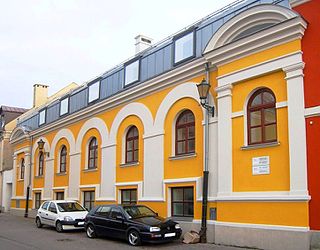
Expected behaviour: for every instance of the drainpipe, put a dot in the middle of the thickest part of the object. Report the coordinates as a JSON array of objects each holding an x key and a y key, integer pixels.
[
  {"x": 29, "y": 181},
  {"x": 203, "y": 231}
]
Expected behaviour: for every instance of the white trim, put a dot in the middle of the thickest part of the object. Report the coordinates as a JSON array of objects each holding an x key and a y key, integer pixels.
[
  {"x": 259, "y": 69},
  {"x": 311, "y": 112},
  {"x": 295, "y": 3},
  {"x": 262, "y": 226},
  {"x": 251, "y": 17},
  {"x": 22, "y": 150},
  {"x": 132, "y": 183},
  {"x": 260, "y": 198},
  {"x": 38, "y": 189},
  {"x": 237, "y": 114},
  {"x": 280, "y": 105},
  {"x": 19, "y": 198},
  {"x": 181, "y": 180},
  {"x": 60, "y": 188}
]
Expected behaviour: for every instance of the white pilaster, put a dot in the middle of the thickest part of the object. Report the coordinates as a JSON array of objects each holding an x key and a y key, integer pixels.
[
  {"x": 153, "y": 167},
  {"x": 74, "y": 176},
  {"x": 297, "y": 130},
  {"x": 224, "y": 139},
  {"x": 48, "y": 179},
  {"x": 108, "y": 173},
  {"x": 14, "y": 176},
  {"x": 27, "y": 179}
]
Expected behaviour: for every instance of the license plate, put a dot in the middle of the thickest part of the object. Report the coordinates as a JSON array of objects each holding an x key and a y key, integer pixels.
[
  {"x": 81, "y": 223},
  {"x": 170, "y": 235}
]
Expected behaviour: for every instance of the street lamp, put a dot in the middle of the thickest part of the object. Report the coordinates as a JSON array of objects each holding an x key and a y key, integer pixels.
[
  {"x": 41, "y": 147},
  {"x": 203, "y": 89}
]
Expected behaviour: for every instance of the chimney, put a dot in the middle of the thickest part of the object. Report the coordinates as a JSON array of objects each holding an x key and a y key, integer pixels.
[
  {"x": 142, "y": 43},
  {"x": 40, "y": 94}
]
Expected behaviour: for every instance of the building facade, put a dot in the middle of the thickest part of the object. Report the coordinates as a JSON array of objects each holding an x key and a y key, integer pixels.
[
  {"x": 7, "y": 124},
  {"x": 136, "y": 133},
  {"x": 311, "y": 51}
]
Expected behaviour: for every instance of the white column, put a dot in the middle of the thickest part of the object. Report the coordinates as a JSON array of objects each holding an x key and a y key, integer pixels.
[
  {"x": 153, "y": 167},
  {"x": 224, "y": 139},
  {"x": 27, "y": 179},
  {"x": 74, "y": 176},
  {"x": 14, "y": 176},
  {"x": 297, "y": 129},
  {"x": 108, "y": 173},
  {"x": 48, "y": 179},
  {"x": 213, "y": 159}
]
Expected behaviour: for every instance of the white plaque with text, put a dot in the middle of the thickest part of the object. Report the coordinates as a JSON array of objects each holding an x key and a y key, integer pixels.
[{"x": 260, "y": 165}]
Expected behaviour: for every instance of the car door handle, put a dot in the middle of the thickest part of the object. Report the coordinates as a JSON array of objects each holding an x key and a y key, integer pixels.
[
  {"x": 39, "y": 212},
  {"x": 46, "y": 214}
]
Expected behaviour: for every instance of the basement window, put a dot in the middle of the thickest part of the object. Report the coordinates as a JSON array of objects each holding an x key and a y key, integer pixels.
[
  {"x": 184, "y": 48},
  {"x": 132, "y": 72},
  {"x": 94, "y": 91}
]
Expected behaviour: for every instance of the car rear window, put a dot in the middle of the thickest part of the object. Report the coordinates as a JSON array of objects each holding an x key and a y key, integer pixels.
[
  {"x": 103, "y": 211},
  {"x": 70, "y": 207}
]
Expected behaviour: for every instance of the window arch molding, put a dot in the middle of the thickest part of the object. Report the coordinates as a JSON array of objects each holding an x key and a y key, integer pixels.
[{"x": 260, "y": 113}]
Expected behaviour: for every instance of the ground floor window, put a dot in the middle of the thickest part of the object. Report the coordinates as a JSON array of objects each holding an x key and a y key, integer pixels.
[
  {"x": 88, "y": 199},
  {"x": 182, "y": 202},
  {"x": 129, "y": 196},
  {"x": 37, "y": 200},
  {"x": 59, "y": 195}
]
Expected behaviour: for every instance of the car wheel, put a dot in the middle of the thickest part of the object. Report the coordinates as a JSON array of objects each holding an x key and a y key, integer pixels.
[
  {"x": 59, "y": 227},
  {"x": 38, "y": 222},
  {"x": 91, "y": 233},
  {"x": 134, "y": 238}
]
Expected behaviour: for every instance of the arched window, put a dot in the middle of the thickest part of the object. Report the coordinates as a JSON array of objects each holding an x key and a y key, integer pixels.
[
  {"x": 132, "y": 145},
  {"x": 22, "y": 168},
  {"x": 41, "y": 164},
  {"x": 63, "y": 159},
  {"x": 185, "y": 133},
  {"x": 93, "y": 153},
  {"x": 262, "y": 118}
]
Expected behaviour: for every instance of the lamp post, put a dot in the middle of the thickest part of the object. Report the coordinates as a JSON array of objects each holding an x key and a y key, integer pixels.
[{"x": 203, "y": 89}]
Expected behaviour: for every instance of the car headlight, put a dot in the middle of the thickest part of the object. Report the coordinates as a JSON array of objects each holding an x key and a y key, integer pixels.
[
  {"x": 154, "y": 229},
  {"x": 67, "y": 218},
  {"x": 177, "y": 226}
]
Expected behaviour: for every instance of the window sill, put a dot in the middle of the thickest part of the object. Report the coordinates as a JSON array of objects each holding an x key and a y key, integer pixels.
[
  {"x": 90, "y": 170},
  {"x": 262, "y": 145},
  {"x": 61, "y": 174},
  {"x": 187, "y": 219},
  {"x": 181, "y": 157},
  {"x": 39, "y": 177},
  {"x": 20, "y": 180},
  {"x": 130, "y": 164}
]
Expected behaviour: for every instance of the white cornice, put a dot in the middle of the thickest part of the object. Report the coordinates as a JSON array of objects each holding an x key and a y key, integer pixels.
[{"x": 281, "y": 33}]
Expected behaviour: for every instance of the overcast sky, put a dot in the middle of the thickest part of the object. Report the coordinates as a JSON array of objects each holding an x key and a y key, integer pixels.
[{"x": 56, "y": 42}]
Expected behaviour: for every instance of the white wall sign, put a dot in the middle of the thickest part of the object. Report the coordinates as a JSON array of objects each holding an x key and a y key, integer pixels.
[{"x": 260, "y": 165}]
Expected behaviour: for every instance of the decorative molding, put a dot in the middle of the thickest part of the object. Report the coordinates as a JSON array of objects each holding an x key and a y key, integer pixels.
[
  {"x": 311, "y": 112},
  {"x": 283, "y": 32},
  {"x": 280, "y": 105},
  {"x": 237, "y": 114},
  {"x": 295, "y": 3}
]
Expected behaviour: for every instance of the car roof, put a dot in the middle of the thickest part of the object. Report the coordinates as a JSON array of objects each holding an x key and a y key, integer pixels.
[{"x": 59, "y": 201}]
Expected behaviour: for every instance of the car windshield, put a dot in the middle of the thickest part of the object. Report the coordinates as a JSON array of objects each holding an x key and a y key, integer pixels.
[
  {"x": 69, "y": 207},
  {"x": 139, "y": 211}
]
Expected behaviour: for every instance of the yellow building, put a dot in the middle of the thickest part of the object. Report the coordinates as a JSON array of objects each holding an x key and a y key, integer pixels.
[{"x": 136, "y": 133}]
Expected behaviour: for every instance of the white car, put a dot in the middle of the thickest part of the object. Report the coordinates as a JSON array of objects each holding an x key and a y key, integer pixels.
[{"x": 61, "y": 214}]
